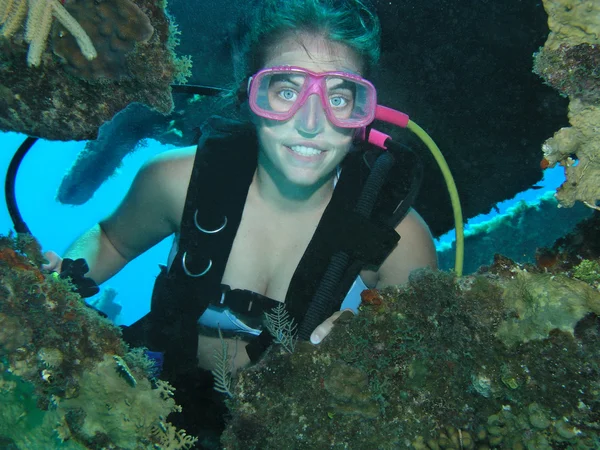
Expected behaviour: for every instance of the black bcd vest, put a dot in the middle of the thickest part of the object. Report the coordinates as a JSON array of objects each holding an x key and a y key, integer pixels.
[{"x": 224, "y": 165}]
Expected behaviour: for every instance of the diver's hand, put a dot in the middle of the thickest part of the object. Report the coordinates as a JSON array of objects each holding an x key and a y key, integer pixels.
[
  {"x": 74, "y": 270},
  {"x": 54, "y": 262},
  {"x": 325, "y": 328}
]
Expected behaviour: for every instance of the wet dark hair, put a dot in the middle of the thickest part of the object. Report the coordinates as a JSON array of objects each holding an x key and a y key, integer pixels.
[{"x": 350, "y": 22}]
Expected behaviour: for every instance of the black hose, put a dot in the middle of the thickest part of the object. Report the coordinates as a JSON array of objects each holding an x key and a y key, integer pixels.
[
  {"x": 415, "y": 184},
  {"x": 321, "y": 305},
  {"x": 199, "y": 89},
  {"x": 9, "y": 185}
]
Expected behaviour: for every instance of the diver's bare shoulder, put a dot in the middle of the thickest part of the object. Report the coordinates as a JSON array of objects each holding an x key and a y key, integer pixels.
[
  {"x": 153, "y": 206},
  {"x": 173, "y": 172},
  {"x": 415, "y": 250}
]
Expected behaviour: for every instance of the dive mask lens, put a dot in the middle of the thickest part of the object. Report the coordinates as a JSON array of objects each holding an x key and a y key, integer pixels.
[{"x": 348, "y": 100}]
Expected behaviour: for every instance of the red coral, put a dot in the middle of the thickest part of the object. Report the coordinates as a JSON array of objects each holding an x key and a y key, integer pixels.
[
  {"x": 544, "y": 164},
  {"x": 16, "y": 261},
  {"x": 371, "y": 297}
]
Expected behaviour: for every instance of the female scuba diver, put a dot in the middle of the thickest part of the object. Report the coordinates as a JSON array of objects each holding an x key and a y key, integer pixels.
[{"x": 259, "y": 210}]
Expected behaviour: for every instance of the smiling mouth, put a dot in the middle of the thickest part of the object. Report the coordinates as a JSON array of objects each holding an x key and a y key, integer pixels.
[{"x": 305, "y": 151}]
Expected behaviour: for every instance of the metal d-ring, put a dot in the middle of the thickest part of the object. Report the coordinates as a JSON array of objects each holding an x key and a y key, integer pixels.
[
  {"x": 194, "y": 275},
  {"x": 209, "y": 231}
]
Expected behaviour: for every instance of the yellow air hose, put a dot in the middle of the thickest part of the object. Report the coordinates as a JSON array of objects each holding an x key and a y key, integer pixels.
[{"x": 451, "y": 186}]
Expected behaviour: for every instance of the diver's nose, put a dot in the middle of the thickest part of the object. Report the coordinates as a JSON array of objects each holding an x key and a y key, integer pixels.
[{"x": 310, "y": 118}]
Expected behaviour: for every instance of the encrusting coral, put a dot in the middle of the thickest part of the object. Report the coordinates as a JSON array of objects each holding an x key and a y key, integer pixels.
[
  {"x": 67, "y": 380},
  {"x": 569, "y": 62},
  {"x": 69, "y": 96},
  {"x": 507, "y": 358},
  {"x": 40, "y": 14}
]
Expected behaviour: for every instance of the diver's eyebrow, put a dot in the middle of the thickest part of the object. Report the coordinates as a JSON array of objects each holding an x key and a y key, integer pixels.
[
  {"x": 343, "y": 84},
  {"x": 289, "y": 78}
]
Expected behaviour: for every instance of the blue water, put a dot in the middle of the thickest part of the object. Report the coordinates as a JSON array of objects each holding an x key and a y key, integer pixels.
[
  {"x": 56, "y": 225},
  {"x": 552, "y": 179}
]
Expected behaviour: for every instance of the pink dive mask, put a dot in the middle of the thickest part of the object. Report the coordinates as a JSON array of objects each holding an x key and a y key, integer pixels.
[{"x": 277, "y": 93}]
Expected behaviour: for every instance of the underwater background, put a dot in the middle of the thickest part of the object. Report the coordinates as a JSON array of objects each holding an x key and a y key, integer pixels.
[{"x": 506, "y": 356}]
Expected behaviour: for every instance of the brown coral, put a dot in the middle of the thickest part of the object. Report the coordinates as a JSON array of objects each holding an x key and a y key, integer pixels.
[
  {"x": 430, "y": 370},
  {"x": 43, "y": 323},
  {"x": 115, "y": 27},
  {"x": 572, "y": 70},
  {"x": 10, "y": 258},
  {"x": 569, "y": 62},
  {"x": 40, "y": 15},
  {"x": 57, "y": 363},
  {"x": 50, "y": 103},
  {"x": 12, "y": 334}
]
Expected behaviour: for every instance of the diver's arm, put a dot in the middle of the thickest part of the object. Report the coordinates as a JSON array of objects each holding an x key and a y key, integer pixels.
[
  {"x": 414, "y": 251},
  {"x": 102, "y": 257},
  {"x": 150, "y": 211}
]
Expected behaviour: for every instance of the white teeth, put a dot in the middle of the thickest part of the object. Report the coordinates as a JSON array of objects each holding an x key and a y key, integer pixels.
[{"x": 306, "y": 151}]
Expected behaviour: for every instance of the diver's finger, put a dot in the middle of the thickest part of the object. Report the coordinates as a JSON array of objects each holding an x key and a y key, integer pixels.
[
  {"x": 54, "y": 262},
  {"x": 325, "y": 328},
  {"x": 321, "y": 331}
]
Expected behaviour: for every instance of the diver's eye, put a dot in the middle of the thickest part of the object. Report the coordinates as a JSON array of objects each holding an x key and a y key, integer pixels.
[
  {"x": 288, "y": 94},
  {"x": 338, "y": 102}
]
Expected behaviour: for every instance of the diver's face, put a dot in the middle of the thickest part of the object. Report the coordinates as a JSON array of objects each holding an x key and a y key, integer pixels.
[{"x": 306, "y": 148}]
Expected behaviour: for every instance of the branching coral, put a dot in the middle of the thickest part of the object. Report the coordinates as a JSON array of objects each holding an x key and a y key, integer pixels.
[
  {"x": 282, "y": 327},
  {"x": 128, "y": 414},
  {"x": 172, "y": 439},
  {"x": 40, "y": 15},
  {"x": 222, "y": 370},
  {"x": 115, "y": 26}
]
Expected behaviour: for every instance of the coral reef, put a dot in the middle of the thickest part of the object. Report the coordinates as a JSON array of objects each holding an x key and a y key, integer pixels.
[
  {"x": 117, "y": 27},
  {"x": 69, "y": 96},
  {"x": 508, "y": 358},
  {"x": 569, "y": 62},
  {"x": 67, "y": 380},
  {"x": 541, "y": 303},
  {"x": 40, "y": 14}
]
